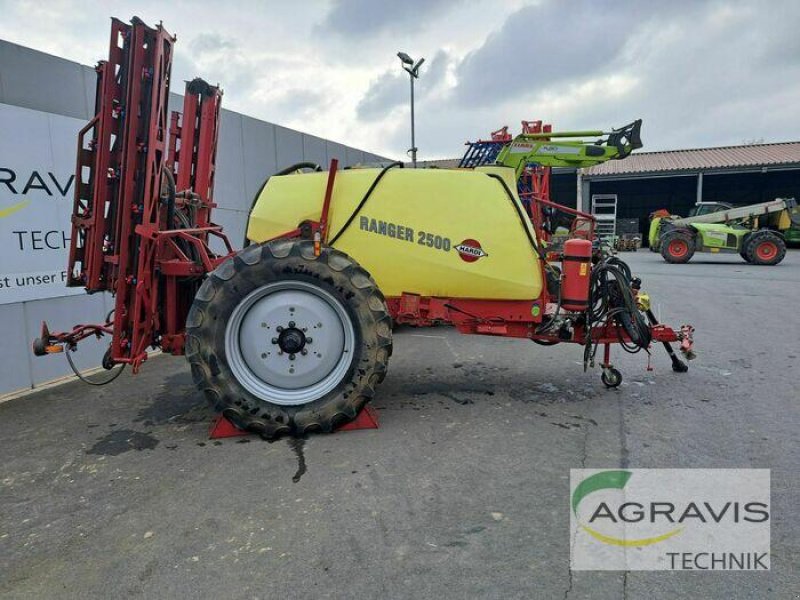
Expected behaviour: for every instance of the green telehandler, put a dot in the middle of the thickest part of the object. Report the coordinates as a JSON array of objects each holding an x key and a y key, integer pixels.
[{"x": 755, "y": 232}]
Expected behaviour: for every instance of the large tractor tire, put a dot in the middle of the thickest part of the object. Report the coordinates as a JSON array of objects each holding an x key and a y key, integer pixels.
[
  {"x": 677, "y": 247},
  {"x": 283, "y": 342},
  {"x": 764, "y": 248}
]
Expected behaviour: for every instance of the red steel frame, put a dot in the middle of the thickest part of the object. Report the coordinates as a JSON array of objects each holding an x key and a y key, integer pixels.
[
  {"x": 122, "y": 240},
  {"x": 99, "y": 159}
]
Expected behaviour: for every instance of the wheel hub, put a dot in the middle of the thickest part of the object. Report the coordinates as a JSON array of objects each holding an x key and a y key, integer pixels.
[
  {"x": 766, "y": 250},
  {"x": 291, "y": 340},
  {"x": 677, "y": 247}
]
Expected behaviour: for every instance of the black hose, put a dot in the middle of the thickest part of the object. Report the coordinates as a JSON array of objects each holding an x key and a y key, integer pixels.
[
  {"x": 85, "y": 379},
  {"x": 364, "y": 200},
  {"x": 612, "y": 300}
]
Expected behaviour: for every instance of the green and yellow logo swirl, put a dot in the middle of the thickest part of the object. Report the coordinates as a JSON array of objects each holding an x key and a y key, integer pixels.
[{"x": 603, "y": 481}]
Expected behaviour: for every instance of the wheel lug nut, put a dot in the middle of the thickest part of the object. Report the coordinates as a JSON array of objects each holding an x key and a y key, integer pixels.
[
  {"x": 279, "y": 328},
  {"x": 303, "y": 351},
  {"x": 309, "y": 340},
  {"x": 274, "y": 340},
  {"x": 291, "y": 357},
  {"x": 291, "y": 323}
]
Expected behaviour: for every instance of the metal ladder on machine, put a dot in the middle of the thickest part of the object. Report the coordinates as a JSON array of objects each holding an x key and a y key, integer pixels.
[{"x": 604, "y": 210}]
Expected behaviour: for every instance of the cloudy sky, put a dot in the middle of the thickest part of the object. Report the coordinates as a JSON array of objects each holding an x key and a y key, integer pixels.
[{"x": 698, "y": 73}]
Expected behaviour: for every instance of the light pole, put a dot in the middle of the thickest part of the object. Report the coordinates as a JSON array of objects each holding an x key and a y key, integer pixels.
[{"x": 412, "y": 68}]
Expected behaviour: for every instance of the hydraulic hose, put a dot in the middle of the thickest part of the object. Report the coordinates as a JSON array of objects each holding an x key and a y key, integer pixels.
[
  {"x": 85, "y": 379},
  {"x": 612, "y": 300},
  {"x": 364, "y": 200}
]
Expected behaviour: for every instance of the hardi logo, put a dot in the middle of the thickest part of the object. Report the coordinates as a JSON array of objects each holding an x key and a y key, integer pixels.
[
  {"x": 669, "y": 519},
  {"x": 470, "y": 250}
]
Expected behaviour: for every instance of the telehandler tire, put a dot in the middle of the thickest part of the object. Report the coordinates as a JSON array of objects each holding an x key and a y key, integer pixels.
[
  {"x": 677, "y": 247},
  {"x": 765, "y": 248},
  {"x": 283, "y": 342}
]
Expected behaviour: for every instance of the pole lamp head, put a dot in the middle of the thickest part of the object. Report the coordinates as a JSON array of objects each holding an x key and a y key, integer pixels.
[{"x": 405, "y": 58}]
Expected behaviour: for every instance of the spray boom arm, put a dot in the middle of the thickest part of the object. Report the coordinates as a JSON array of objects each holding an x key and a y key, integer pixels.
[{"x": 569, "y": 149}]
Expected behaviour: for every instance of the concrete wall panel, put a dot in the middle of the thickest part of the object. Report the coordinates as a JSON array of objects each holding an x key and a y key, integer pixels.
[
  {"x": 314, "y": 150},
  {"x": 290, "y": 146},
  {"x": 260, "y": 158},
  {"x": 42, "y": 82},
  {"x": 234, "y": 223},
  {"x": 337, "y": 151},
  {"x": 15, "y": 373},
  {"x": 354, "y": 156},
  {"x": 229, "y": 187}
]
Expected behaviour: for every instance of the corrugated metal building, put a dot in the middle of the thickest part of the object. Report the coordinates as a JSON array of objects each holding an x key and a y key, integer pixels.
[
  {"x": 676, "y": 179},
  {"x": 44, "y": 101}
]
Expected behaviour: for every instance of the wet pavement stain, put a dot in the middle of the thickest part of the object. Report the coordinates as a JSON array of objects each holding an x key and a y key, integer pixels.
[
  {"x": 178, "y": 403},
  {"x": 298, "y": 447},
  {"x": 121, "y": 441}
]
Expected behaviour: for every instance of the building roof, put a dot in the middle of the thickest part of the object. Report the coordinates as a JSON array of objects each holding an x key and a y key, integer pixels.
[
  {"x": 701, "y": 159},
  {"x": 440, "y": 163}
]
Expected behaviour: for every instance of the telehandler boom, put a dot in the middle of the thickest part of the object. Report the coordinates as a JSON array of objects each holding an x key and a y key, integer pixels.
[{"x": 569, "y": 149}]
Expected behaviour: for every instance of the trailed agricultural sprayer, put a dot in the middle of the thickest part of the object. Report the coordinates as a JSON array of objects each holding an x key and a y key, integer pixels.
[{"x": 294, "y": 332}]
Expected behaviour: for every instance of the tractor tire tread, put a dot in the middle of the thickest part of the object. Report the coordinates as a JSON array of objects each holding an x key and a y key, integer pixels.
[
  {"x": 759, "y": 237},
  {"x": 665, "y": 243},
  {"x": 253, "y": 267}
]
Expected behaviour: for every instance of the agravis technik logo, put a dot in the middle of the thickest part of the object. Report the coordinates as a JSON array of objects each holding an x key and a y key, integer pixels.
[{"x": 671, "y": 519}]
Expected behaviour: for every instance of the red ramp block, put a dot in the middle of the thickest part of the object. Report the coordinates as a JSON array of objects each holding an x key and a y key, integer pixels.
[{"x": 223, "y": 428}]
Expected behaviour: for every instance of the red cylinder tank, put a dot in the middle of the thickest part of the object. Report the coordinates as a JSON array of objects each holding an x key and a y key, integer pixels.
[{"x": 576, "y": 269}]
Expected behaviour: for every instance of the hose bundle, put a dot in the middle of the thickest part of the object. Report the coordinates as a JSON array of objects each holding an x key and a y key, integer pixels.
[{"x": 612, "y": 300}]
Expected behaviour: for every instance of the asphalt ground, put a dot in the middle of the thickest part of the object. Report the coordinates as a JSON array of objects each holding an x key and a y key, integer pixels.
[{"x": 462, "y": 492}]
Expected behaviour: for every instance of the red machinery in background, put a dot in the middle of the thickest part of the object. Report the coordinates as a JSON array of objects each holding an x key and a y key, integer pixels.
[
  {"x": 141, "y": 224},
  {"x": 534, "y": 191}
]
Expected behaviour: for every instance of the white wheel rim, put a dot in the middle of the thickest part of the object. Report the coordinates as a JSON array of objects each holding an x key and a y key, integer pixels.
[{"x": 289, "y": 342}]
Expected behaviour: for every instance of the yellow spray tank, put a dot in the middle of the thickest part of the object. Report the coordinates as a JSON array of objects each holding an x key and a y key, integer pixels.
[{"x": 432, "y": 232}]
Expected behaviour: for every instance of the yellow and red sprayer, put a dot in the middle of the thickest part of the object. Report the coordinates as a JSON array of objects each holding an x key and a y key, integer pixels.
[{"x": 293, "y": 334}]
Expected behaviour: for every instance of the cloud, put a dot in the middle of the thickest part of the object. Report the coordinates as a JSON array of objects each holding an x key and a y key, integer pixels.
[
  {"x": 391, "y": 89},
  {"x": 388, "y": 91},
  {"x": 544, "y": 44},
  {"x": 371, "y": 17},
  {"x": 217, "y": 58},
  {"x": 300, "y": 101},
  {"x": 211, "y": 43}
]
